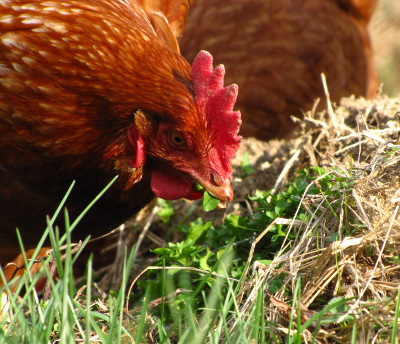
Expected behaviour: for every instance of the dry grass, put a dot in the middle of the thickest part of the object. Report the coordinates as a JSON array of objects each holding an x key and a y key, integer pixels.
[{"x": 360, "y": 141}]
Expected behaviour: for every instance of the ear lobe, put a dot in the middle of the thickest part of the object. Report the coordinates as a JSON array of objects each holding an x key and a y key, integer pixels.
[{"x": 137, "y": 143}]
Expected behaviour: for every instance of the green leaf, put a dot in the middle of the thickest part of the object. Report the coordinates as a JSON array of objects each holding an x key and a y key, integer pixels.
[
  {"x": 209, "y": 202},
  {"x": 319, "y": 170},
  {"x": 271, "y": 214},
  {"x": 161, "y": 251},
  {"x": 280, "y": 207},
  {"x": 203, "y": 260},
  {"x": 166, "y": 210},
  {"x": 275, "y": 285},
  {"x": 199, "y": 186},
  {"x": 198, "y": 230},
  {"x": 338, "y": 305},
  {"x": 235, "y": 221}
]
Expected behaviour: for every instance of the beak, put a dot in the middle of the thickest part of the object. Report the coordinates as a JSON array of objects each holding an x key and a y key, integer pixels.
[{"x": 223, "y": 192}]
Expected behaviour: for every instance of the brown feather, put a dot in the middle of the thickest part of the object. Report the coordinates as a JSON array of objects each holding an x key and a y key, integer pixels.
[
  {"x": 276, "y": 51},
  {"x": 82, "y": 77},
  {"x": 90, "y": 90},
  {"x": 174, "y": 11}
]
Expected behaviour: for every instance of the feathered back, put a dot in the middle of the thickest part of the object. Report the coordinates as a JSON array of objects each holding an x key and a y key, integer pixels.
[
  {"x": 168, "y": 18},
  {"x": 360, "y": 9},
  {"x": 276, "y": 51},
  {"x": 360, "y": 12}
]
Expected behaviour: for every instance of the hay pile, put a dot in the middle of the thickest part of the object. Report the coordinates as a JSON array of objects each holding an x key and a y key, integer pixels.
[{"x": 358, "y": 141}]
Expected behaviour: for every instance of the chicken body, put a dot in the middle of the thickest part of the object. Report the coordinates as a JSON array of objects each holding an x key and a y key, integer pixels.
[
  {"x": 89, "y": 90},
  {"x": 277, "y": 50}
]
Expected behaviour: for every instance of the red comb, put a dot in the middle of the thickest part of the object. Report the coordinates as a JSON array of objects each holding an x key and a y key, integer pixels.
[{"x": 216, "y": 102}]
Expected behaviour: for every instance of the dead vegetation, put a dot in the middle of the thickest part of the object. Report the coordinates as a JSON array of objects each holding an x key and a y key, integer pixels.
[{"x": 359, "y": 141}]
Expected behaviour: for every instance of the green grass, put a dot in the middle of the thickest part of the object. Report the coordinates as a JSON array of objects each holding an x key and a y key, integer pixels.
[
  {"x": 202, "y": 289},
  {"x": 67, "y": 315}
]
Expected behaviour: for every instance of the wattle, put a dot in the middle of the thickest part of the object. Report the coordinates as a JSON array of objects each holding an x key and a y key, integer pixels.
[{"x": 170, "y": 187}]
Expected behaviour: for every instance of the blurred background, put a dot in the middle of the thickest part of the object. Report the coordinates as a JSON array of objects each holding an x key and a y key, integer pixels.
[{"x": 385, "y": 29}]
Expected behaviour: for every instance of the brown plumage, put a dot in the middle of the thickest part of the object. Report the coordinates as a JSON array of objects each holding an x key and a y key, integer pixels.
[
  {"x": 91, "y": 89},
  {"x": 276, "y": 50}
]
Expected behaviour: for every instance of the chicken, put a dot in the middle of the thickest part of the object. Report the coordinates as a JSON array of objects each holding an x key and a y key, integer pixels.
[
  {"x": 91, "y": 89},
  {"x": 276, "y": 51}
]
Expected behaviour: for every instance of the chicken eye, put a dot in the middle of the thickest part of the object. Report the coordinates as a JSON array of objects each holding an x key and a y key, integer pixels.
[{"x": 176, "y": 139}]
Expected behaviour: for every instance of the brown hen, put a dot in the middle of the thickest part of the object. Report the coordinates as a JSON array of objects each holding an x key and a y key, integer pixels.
[
  {"x": 91, "y": 89},
  {"x": 277, "y": 50}
]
